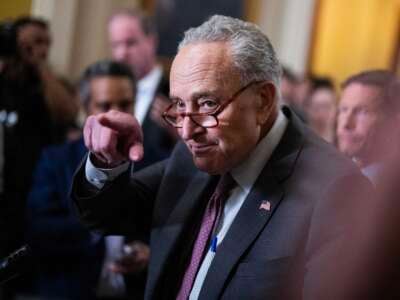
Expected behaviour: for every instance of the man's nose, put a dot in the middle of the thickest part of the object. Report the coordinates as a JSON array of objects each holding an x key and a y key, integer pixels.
[
  {"x": 189, "y": 128},
  {"x": 348, "y": 121},
  {"x": 121, "y": 53}
]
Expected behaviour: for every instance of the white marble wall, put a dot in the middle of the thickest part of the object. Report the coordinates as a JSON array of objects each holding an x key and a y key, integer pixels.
[
  {"x": 79, "y": 31},
  {"x": 288, "y": 23}
]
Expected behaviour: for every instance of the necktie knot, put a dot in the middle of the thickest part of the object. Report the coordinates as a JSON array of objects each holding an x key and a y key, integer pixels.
[{"x": 225, "y": 184}]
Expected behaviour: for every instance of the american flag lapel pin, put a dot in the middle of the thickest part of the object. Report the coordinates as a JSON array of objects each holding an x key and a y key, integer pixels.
[{"x": 266, "y": 205}]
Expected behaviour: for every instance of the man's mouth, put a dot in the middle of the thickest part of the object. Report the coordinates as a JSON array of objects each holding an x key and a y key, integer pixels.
[
  {"x": 201, "y": 149},
  {"x": 350, "y": 138}
]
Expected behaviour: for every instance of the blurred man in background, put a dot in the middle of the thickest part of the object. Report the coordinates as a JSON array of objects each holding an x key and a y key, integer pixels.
[
  {"x": 288, "y": 86},
  {"x": 27, "y": 127},
  {"x": 34, "y": 37},
  {"x": 73, "y": 264},
  {"x": 34, "y": 42},
  {"x": 363, "y": 116},
  {"x": 374, "y": 272},
  {"x": 321, "y": 110},
  {"x": 133, "y": 41}
]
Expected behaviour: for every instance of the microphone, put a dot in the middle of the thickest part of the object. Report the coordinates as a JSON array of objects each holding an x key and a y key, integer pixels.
[{"x": 15, "y": 264}]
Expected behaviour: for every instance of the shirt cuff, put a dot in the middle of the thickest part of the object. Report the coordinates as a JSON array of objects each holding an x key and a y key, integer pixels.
[{"x": 98, "y": 177}]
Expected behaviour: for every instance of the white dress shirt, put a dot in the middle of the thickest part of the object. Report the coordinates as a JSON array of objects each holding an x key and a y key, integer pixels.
[
  {"x": 373, "y": 172},
  {"x": 146, "y": 89},
  {"x": 245, "y": 174}
]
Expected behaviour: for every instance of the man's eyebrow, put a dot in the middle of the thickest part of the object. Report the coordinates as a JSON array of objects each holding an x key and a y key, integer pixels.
[{"x": 172, "y": 98}]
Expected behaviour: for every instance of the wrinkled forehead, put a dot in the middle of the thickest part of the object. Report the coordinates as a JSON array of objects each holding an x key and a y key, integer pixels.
[{"x": 203, "y": 65}]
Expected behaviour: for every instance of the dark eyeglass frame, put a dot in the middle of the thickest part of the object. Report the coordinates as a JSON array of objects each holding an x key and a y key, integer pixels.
[{"x": 213, "y": 114}]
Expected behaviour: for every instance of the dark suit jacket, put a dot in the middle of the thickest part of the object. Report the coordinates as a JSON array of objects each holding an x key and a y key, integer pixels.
[
  {"x": 157, "y": 142},
  {"x": 281, "y": 253},
  {"x": 69, "y": 256}
]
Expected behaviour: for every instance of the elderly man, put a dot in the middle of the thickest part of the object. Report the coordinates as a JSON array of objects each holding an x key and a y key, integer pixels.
[
  {"x": 363, "y": 117},
  {"x": 242, "y": 209}
]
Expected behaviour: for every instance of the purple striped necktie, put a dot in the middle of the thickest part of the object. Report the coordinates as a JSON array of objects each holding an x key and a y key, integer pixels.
[{"x": 209, "y": 223}]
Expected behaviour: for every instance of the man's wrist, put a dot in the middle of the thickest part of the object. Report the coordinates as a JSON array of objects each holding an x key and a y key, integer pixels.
[
  {"x": 98, "y": 176},
  {"x": 101, "y": 163}
]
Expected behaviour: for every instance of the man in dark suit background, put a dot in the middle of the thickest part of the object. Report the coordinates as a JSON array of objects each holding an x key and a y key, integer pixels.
[
  {"x": 70, "y": 258},
  {"x": 364, "y": 115},
  {"x": 277, "y": 231},
  {"x": 133, "y": 39}
]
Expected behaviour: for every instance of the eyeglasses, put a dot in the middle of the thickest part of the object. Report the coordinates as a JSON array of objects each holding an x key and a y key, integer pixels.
[{"x": 205, "y": 120}]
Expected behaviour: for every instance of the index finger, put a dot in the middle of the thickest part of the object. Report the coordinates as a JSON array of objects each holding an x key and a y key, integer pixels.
[{"x": 122, "y": 123}]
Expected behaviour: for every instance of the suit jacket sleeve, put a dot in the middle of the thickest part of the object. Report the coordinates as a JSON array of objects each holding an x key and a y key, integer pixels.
[
  {"x": 123, "y": 206},
  {"x": 53, "y": 228}
]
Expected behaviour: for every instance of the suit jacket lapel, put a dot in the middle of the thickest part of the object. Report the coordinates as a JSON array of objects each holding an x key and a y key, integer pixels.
[
  {"x": 251, "y": 220},
  {"x": 166, "y": 238},
  {"x": 247, "y": 225}
]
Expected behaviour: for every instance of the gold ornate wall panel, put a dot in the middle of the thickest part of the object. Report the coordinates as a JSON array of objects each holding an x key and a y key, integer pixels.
[
  {"x": 14, "y": 8},
  {"x": 354, "y": 35}
]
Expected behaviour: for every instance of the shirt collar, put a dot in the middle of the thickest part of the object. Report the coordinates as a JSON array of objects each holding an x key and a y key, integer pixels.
[
  {"x": 247, "y": 172},
  {"x": 372, "y": 171},
  {"x": 150, "y": 80}
]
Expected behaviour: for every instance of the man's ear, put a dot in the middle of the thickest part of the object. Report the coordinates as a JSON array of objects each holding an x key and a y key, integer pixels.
[{"x": 266, "y": 102}]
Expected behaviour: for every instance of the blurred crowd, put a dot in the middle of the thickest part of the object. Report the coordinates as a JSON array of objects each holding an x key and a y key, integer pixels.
[{"x": 42, "y": 145}]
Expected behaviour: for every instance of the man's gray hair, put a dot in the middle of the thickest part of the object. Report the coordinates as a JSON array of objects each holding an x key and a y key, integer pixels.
[{"x": 252, "y": 52}]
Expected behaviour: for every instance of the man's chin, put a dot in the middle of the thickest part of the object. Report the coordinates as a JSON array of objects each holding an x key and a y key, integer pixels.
[
  {"x": 206, "y": 165},
  {"x": 350, "y": 152}
]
